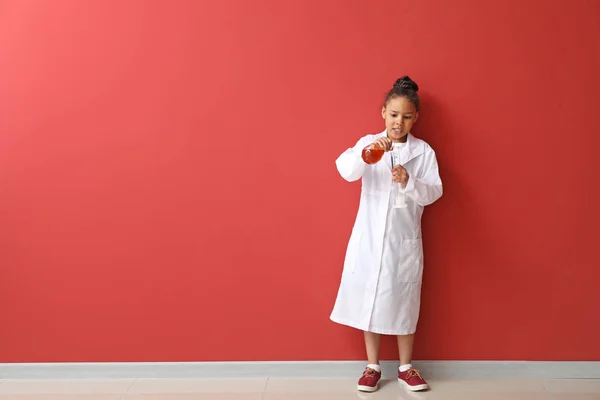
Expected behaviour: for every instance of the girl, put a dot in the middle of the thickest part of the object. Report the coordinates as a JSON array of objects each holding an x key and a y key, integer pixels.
[{"x": 380, "y": 287}]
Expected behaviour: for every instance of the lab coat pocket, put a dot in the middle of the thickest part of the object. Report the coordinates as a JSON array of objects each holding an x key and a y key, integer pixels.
[
  {"x": 410, "y": 260},
  {"x": 352, "y": 251}
]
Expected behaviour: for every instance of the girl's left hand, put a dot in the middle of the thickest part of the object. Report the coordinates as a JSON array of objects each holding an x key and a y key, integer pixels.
[{"x": 399, "y": 175}]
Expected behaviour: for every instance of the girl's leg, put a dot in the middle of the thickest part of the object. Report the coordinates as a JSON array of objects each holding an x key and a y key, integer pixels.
[
  {"x": 369, "y": 381},
  {"x": 372, "y": 343},
  {"x": 407, "y": 374},
  {"x": 405, "y": 348}
]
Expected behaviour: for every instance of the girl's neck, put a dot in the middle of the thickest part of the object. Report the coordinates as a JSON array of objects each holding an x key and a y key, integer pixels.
[{"x": 401, "y": 140}]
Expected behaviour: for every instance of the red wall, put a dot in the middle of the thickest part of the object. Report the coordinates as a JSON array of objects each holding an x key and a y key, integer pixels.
[{"x": 168, "y": 189}]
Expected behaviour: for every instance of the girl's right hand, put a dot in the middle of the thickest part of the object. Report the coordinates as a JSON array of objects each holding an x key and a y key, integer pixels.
[{"x": 384, "y": 143}]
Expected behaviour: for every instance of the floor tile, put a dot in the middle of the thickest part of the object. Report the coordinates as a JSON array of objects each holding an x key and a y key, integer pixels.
[
  {"x": 430, "y": 395},
  {"x": 312, "y": 385},
  {"x": 195, "y": 396},
  {"x": 158, "y": 386},
  {"x": 296, "y": 389},
  {"x": 61, "y": 396},
  {"x": 79, "y": 386},
  {"x": 487, "y": 385},
  {"x": 573, "y": 396},
  {"x": 572, "y": 385},
  {"x": 440, "y": 395},
  {"x": 339, "y": 389}
]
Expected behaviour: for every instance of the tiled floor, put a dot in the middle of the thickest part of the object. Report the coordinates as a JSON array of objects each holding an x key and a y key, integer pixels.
[{"x": 294, "y": 389}]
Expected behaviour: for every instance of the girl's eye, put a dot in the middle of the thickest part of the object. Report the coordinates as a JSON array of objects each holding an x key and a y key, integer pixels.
[
  {"x": 408, "y": 117},
  {"x": 393, "y": 115}
]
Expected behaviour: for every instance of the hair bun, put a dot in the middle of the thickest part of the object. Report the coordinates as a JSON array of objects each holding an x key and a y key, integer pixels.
[{"x": 406, "y": 83}]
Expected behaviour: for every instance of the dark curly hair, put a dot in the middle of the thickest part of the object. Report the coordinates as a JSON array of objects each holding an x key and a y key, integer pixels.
[{"x": 404, "y": 87}]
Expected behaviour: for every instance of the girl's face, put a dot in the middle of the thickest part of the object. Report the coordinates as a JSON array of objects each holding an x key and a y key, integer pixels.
[{"x": 399, "y": 114}]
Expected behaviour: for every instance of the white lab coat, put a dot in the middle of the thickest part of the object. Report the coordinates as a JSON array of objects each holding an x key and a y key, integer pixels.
[{"x": 380, "y": 289}]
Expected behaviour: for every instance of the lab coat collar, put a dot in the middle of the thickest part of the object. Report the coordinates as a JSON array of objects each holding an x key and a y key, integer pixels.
[{"x": 413, "y": 148}]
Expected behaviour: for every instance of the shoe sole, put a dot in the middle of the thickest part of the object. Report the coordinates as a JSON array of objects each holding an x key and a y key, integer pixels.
[
  {"x": 417, "y": 388},
  {"x": 367, "y": 389}
]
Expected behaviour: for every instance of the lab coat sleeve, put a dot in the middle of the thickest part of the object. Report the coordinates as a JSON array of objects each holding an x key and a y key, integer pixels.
[
  {"x": 350, "y": 164},
  {"x": 426, "y": 189}
]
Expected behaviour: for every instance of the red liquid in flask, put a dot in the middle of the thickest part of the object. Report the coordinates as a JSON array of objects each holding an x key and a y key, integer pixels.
[{"x": 372, "y": 154}]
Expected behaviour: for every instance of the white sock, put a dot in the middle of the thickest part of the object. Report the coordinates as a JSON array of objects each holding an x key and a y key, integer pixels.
[
  {"x": 405, "y": 367},
  {"x": 375, "y": 367}
]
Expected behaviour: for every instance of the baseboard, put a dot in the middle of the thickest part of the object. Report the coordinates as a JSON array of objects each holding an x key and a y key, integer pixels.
[{"x": 300, "y": 369}]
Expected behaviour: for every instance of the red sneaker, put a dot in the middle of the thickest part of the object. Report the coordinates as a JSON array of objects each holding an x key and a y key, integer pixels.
[
  {"x": 413, "y": 380},
  {"x": 369, "y": 381}
]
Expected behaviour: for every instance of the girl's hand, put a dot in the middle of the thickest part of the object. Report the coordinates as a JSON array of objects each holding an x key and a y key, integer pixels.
[
  {"x": 385, "y": 143},
  {"x": 399, "y": 175}
]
